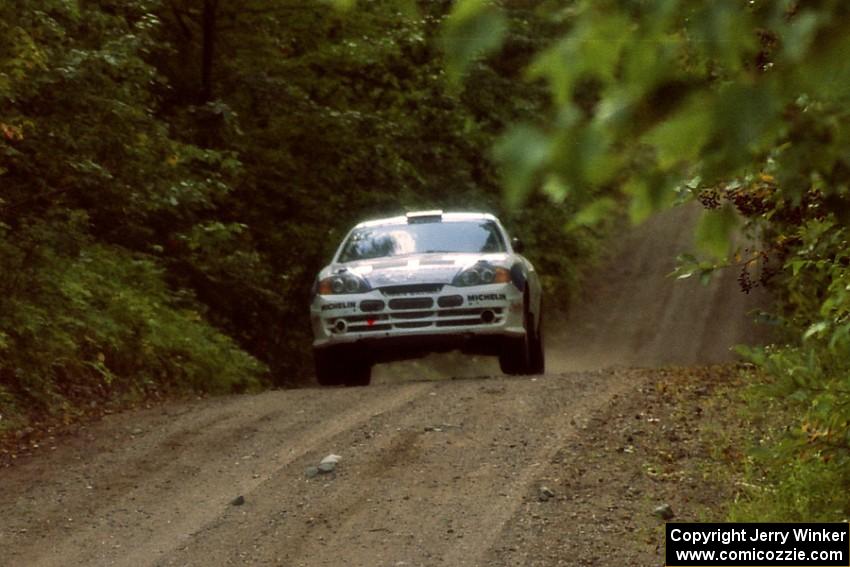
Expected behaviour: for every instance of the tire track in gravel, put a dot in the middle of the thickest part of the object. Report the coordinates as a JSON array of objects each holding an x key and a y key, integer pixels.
[
  {"x": 561, "y": 426},
  {"x": 402, "y": 495},
  {"x": 170, "y": 494},
  {"x": 407, "y": 496}
]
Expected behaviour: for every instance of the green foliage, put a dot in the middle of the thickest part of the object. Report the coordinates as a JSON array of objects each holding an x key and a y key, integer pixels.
[
  {"x": 335, "y": 118},
  {"x": 743, "y": 107},
  {"x": 473, "y": 29},
  {"x": 91, "y": 183},
  {"x": 804, "y": 491},
  {"x": 810, "y": 466},
  {"x": 96, "y": 323},
  {"x": 799, "y": 469},
  {"x": 715, "y": 229},
  {"x": 173, "y": 174},
  {"x": 522, "y": 151}
]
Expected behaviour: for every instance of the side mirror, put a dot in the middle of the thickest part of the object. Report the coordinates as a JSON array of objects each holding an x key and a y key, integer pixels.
[{"x": 517, "y": 245}]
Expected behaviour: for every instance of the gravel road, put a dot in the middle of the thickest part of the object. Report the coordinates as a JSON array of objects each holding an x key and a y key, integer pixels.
[{"x": 432, "y": 472}]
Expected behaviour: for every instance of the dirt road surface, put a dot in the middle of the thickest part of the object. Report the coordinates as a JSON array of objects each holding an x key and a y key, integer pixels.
[
  {"x": 447, "y": 472},
  {"x": 632, "y": 313}
]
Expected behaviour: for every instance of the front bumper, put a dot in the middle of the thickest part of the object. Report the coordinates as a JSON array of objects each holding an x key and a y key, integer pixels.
[{"x": 438, "y": 314}]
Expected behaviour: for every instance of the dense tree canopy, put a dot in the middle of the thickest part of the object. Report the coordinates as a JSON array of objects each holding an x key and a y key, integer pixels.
[
  {"x": 91, "y": 182},
  {"x": 174, "y": 172}
]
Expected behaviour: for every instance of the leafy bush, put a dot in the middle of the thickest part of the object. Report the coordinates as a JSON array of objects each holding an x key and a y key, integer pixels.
[
  {"x": 89, "y": 179},
  {"x": 796, "y": 471},
  {"x": 100, "y": 324},
  {"x": 744, "y": 108},
  {"x": 808, "y": 469}
]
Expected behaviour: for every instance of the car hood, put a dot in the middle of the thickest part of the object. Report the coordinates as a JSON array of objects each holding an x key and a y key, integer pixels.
[{"x": 414, "y": 269}]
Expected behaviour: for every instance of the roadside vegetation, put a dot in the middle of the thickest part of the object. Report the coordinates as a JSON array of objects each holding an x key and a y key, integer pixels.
[
  {"x": 174, "y": 172},
  {"x": 745, "y": 109}
]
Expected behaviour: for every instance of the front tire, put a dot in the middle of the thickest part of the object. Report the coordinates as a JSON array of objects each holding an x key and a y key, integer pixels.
[
  {"x": 525, "y": 356},
  {"x": 538, "y": 356},
  {"x": 358, "y": 372},
  {"x": 336, "y": 367},
  {"x": 513, "y": 359},
  {"x": 328, "y": 368}
]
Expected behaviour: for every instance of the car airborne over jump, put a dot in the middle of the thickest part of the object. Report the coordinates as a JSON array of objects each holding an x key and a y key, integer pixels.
[{"x": 428, "y": 281}]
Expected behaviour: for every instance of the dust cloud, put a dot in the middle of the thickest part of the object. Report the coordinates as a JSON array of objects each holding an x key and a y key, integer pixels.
[{"x": 632, "y": 313}]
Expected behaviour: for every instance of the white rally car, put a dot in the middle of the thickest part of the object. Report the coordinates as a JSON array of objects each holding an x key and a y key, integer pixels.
[{"x": 429, "y": 281}]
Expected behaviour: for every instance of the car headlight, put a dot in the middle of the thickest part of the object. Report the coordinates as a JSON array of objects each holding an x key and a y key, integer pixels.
[
  {"x": 482, "y": 274},
  {"x": 341, "y": 284}
]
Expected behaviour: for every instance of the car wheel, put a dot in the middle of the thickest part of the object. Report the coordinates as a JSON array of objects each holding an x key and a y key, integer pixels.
[
  {"x": 512, "y": 359},
  {"x": 358, "y": 372},
  {"x": 335, "y": 367},
  {"x": 329, "y": 371},
  {"x": 538, "y": 357},
  {"x": 515, "y": 357}
]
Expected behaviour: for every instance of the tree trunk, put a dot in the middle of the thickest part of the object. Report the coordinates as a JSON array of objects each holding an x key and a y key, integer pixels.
[{"x": 208, "y": 25}]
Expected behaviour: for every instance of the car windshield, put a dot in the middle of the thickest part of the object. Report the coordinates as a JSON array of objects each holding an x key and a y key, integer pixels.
[{"x": 422, "y": 238}]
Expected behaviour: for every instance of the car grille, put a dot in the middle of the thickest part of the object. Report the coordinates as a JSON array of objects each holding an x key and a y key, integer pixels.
[
  {"x": 420, "y": 319},
  {"x": 369, "y": 305},
  {"x": 450, "y": 301},
  {"x": 411, "y": 303},
  {"x": 411, "y": 289}
]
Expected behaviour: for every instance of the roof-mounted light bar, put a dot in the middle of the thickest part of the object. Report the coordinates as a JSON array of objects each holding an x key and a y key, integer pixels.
[{"x": 424, "y": 216}]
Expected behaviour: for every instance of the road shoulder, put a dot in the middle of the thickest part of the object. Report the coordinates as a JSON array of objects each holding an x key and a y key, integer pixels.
[{"x": 677, "y": 438}]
